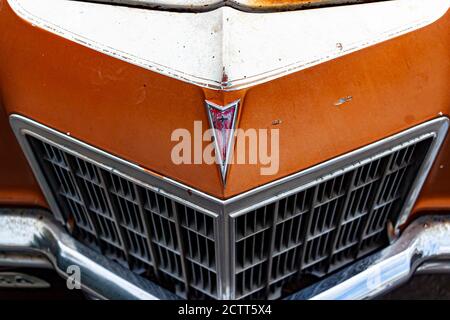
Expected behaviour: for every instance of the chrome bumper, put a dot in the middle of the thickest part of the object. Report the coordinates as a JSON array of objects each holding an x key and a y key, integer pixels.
[
  {"x": 30, "y": 235},
  {"x": 33, "y": 238},
  {"x": 424, "y": 246}
]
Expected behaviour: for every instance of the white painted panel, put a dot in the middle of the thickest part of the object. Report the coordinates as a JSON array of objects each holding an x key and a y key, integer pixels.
[{"x": 249, "y": 48}]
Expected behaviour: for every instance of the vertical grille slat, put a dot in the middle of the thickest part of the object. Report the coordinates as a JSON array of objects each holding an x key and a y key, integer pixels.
[
  {"x": 93, "y": 219},
  {"x": 276, "y": 247},
  {"x": 322, "y": 228},
  {"x": 337, "y": 234},
  {"x": 147, "y": 231}
]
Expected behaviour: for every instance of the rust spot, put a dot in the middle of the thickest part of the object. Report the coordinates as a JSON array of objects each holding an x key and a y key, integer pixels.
[
  {"x": 391, "y": 232},
  {"x": 224, "y": 77},
  {"x": 70, "y": 223},
  {"x": 276, "y": 122},
  {"x": 280, "y": 4}
]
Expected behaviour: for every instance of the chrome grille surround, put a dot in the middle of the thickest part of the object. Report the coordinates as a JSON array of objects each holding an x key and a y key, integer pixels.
[{"x": 191, "y": 274}]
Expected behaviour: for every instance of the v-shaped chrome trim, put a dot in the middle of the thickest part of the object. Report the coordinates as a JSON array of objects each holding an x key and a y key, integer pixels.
[{"x": 223, "y": 161}]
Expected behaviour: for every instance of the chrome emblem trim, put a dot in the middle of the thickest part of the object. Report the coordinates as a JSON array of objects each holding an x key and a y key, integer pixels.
[{"x": 222, "y": 120}]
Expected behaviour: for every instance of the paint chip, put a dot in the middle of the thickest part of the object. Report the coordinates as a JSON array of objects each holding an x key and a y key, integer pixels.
[
  {"x": 276, "y": 122},
  {"x": 343, "y": 100}
]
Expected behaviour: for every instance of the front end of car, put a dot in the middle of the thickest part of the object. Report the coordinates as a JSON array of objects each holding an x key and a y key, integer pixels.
[{"x": 225, "y": 149}]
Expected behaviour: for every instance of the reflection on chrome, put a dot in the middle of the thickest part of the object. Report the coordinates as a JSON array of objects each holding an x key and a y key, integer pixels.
[
  {"x": 27, "y": 234},
  {"x": 426, "y": 240}
]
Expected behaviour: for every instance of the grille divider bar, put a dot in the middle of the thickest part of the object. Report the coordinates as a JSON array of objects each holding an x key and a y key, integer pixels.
[
  {"x": 84, "y": 198},
  {"x": 181, "y": 245},
  {"x": 146, "y": 225},
  {"x": 335, "y": 235},
  {"x": 306, "y": 232},
  {"x": 366, "y": 218},
  {"x": 271, "y": 246},
  {"x": 114, "y": 213},
  {"x": 226, "y": 238}
]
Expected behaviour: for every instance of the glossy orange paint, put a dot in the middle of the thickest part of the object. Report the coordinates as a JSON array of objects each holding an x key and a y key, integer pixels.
[
  {"x": 131, "y": 112},
  {"x": 393, "y": 85},
  {"x": 17, "y": 184}
]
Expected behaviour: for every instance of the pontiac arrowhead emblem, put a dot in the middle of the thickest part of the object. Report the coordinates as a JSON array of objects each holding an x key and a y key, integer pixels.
[{"x": 222, "y": 120}]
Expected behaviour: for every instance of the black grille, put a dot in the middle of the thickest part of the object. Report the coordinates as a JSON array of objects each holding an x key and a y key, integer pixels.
[{"x": 274, "y": 249}]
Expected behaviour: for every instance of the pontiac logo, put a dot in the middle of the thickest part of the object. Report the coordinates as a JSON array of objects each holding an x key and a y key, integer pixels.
[
  {"x": 222, "y": 120},
  {"x": 226, "y": 144}
]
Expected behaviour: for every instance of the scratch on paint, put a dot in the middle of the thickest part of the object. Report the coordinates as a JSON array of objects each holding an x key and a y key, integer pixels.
[{"x": 343, "y": 100}]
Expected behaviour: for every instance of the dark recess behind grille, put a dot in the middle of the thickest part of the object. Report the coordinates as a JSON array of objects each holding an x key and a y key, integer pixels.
[
  {"x": 283, "y": 246},
  {"x": 312, "y": 233}
]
